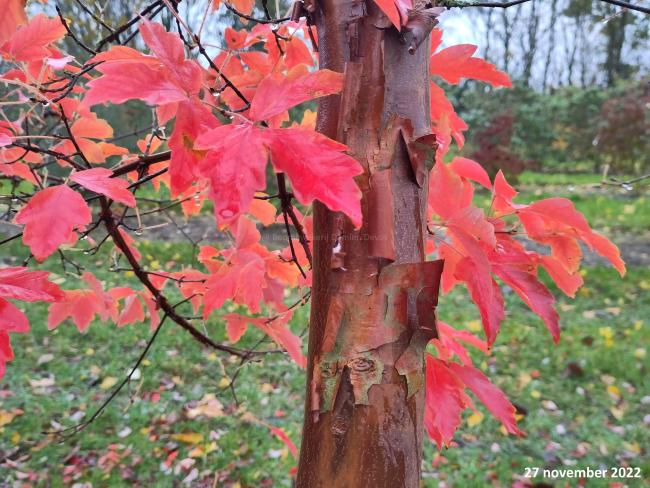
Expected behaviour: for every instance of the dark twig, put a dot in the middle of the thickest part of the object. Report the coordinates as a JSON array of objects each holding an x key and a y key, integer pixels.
[
  {"x": 254, "y": 19},
  {"x": 71, "y": 34},
  {"x": 462, "y": 4},
  {"x": 628, "y": 5},
  {"x": 161, "y": 300},
  {"x": 124, "y": 27},
  {"x": 285, "y": 202},
  {"x": 71, "y": 431}
]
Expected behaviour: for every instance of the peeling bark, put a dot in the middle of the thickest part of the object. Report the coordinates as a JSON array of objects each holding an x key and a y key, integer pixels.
[{"x": 373, "y": 299}]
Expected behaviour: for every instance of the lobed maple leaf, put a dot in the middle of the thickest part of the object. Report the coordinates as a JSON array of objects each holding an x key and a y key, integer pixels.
[
  {"x": 13, "y": 16},
  {"x": 276, "y": 328},
  {"x": 30, "y": 42},
  {"x": 246, "y": 274},
  {"x": 317, "y": 167},
  {"x": 19, "y": 283},
  {"x": 192, "y": 119},
  {"x": 456, "y": 62},
  {"x": 445, "y": 399},
  {"x": 58, "y": 204},
  {"x": 451, "y": 342},
  {"x": 82, "y": 305},
  {"x": 162, "y": 78},
  {"x": 452, "y": 64},
  {"x": 85, "y": 129},
  {"x": 277, "y": 93},
  {"x": 100, "y": 181}
]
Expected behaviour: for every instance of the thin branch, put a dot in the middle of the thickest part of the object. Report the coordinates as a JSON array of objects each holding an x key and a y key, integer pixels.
[
  {"x": 628, "y": 5},
  {"x": 116, "y": 33},
  {"x": 161, "y": 300},
  {"x": 462, "y": 4},
  {"x": 71, "y": 34},
  {"x": 626, "y": 185},
  {"x": 141, "y": 162},
  {"x": 254, "y": 19},
  {"x": 75, "y": 429}
]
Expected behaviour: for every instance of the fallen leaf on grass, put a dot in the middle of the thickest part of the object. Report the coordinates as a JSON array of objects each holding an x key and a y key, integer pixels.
[
  {"x": 188, "y": 437},
  {"x": 6, "y": 416},
  {"x": 209, "y": 406},
  {"x": 108, "y": 382}
]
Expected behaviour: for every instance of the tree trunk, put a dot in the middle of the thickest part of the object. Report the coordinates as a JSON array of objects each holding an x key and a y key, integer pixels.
[{"x": 373, "y": 297}]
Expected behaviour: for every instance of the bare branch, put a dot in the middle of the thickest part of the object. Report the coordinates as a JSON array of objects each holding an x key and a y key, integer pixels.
[
  {"x": 463, "y": 4},
  {"x": 628, "y": 5},
  {"x": 253, "y": 19}
]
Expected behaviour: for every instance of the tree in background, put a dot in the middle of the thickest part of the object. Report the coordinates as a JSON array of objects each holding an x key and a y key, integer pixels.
[
  {"x": 380, "y": 368},
  {"x": 570, "y": 58}
]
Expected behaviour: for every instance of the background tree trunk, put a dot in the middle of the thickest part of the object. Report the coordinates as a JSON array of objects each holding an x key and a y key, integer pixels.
[{"x": 373, "y": 297}]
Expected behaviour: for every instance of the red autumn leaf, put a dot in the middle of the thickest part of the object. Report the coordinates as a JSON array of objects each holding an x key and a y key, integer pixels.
[
  {"x": 471, "y": 170},
  {"x": 192, "y": 119},
  {"x": 568, "y": 282},
  {"x": 80, "y": 305},
  {"x": 471, "y": 220},
  {"x": 243, "y": 6},
  {"x": 445, "y": 400},
  {"x": 278, "y": 330},
  {"x": 277, "y": 93},
  {"x": 235, "y": 167},
  {"x": 451, "y": 342},
  {"x": 280, "y": 434},
  {"x": 30, "y": 42},
  {"x": 13, "y": 16},
  {"x": 246, "y": 274},
  {"x": 84, "y": 130},
  {"x": 236, "y": 325},
  {"x": 132, "y": 311},
  {"x": 296, "y": 53},
  {"x": 165, "y": 77},
  {"x": 395, "y": 10},
  {"x": 606, "y": 249},
  {"x": 12, "y": 319},
  {"x": 491, "y": 396},
  {"x": 456, "y": 62},
  {"x": 6, "y": 353},
  {"x": 552, "y": 220},
  {"x": 533, "y": 293},
  {"x": 19, "y": 283},
  {"x": 263, "y": 210},
  {"x": 502, "y": 195},
  {"x": 448, "y": 193},
  {"x": 239, "y": 280},
  {"x": 565, "y": 249},
  {"x": 318, "y": 169},
  {"x": 476, "y": 273},
  {"x": 442, "y": 109},
  {"x": 99, "y": 180},
  {"x": 169, "y": 49},
  {"x": 50, "y": 218}
]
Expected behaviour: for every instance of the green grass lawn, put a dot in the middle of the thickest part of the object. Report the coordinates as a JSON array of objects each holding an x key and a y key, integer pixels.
[{"x": 586, "y": 400}]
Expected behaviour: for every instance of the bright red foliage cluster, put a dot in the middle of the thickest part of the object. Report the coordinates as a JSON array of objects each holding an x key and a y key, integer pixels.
[{"x": 221, "y": 144}]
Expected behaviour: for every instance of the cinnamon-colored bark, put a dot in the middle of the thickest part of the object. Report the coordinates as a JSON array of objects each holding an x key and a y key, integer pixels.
[{"x": 373, "y": 298}]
